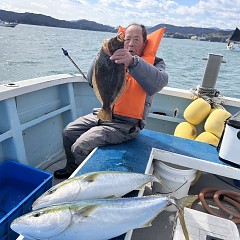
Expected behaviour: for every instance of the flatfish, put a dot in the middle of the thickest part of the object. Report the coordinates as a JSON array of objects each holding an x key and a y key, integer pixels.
[{"x": 108, "y": 77}]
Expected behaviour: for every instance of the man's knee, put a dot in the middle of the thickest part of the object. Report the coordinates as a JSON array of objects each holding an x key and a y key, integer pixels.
[
  {"x": 79, "y": 151},
  {"x": 66, "y": 131},
  {"x": 69, "y": 135}
]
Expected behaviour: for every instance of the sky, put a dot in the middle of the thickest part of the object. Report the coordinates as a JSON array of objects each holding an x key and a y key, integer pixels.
[{"x": 223, "y": 14}]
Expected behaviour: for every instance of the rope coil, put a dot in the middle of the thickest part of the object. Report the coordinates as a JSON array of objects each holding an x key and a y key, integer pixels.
[
  {"x": 202, "y": 91},
  {"x": 230, "y": 197}
]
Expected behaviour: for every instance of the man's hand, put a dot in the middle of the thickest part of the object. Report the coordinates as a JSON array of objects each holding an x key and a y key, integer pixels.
[{"x": 122, "y": 56}]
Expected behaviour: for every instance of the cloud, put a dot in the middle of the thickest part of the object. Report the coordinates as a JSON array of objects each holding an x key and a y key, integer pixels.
[
  {"x": 209, "y": 13},
  {"x": 203, "y": 13},
  {"x": 41, "y": 6}
]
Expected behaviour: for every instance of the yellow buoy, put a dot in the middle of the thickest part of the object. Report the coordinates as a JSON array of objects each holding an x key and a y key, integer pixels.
[
  {"x": 197, "y": 111},
  {"x": 215, "y": 122},
  {"x": 208, "y": 137},
  {"x": 185, "y": 130}
]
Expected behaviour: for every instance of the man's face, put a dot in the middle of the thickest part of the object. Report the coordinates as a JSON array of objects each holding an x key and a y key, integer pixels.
[{"x": 134, "y": 40}]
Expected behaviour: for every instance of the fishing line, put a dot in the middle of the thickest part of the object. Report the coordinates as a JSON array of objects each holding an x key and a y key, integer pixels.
[{"x": 174, "y": 190}]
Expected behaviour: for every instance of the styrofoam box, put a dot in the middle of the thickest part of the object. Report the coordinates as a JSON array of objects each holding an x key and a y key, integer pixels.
[
  {"x": 201, "y": 225},
  {"x": 20, "y": 186}
]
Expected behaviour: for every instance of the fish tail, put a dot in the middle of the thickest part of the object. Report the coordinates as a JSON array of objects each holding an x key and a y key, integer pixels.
[
  {"x": 180, "y": 204},
  {"x": 185, "y": 201},
  {"x": 105, "y": 115}
]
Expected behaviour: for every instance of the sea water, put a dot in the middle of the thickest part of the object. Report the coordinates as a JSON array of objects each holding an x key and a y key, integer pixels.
[{"x": 28, "y": 51}]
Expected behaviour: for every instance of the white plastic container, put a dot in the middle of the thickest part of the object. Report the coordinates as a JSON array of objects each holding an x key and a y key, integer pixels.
[
  {"x": 228, "y": 147},
  {"x": 202, "y": 226},
  {"x": 177, "y": 177}
]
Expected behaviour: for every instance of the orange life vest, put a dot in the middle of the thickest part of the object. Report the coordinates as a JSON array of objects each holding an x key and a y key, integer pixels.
[{"x": 132, "y": 101}]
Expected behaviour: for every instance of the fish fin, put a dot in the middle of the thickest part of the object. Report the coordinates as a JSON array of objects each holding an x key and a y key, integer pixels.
[
  {"x": 112, "y": 196},
  {"x": 105, "y": 115},
  {"x": 95, "y": 87},
  {"x": 183, "y": 224},
  {"x": 148, "y": 224},
  {"x": 185, "y": 201},
  {"x": 180, "y": 204},
  {"x": 141, "y": 187},
  {"x": 86, "y": 211},
  {"x": 91, "y": 177}
]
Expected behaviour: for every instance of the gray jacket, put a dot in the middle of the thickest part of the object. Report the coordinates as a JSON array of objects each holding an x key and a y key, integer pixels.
[{"x": 152, "y": 79}]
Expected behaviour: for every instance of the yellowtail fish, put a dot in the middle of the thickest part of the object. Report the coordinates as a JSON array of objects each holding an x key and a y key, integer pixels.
[
  {"x": 94, "y": 185},
  {"x": 108, "y": 77},
  {"x": 98, "y": 219}
]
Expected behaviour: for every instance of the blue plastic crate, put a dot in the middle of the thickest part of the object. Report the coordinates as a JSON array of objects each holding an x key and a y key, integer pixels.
[{"x": 20, "y": 186}]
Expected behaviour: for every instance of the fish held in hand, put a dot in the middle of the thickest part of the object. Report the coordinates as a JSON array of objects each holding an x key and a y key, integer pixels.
[
  {"x": 98, "y": 219},
  {"x": 94, "y": 185},
  {"x": 108, "y": 77}
]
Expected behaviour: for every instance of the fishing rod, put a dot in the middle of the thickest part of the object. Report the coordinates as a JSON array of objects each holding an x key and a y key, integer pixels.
[{"x": 65, "y": 52}]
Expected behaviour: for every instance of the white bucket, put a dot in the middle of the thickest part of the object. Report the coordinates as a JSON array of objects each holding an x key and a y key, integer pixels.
[{"x": 177, "y": 177}]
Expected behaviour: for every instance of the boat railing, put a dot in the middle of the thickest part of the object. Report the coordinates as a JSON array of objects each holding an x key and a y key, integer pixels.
[{"x": 39, "y": 108}]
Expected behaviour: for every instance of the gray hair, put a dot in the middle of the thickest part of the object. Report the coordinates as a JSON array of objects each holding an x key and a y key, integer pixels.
[{"x": 144, "y": 30}]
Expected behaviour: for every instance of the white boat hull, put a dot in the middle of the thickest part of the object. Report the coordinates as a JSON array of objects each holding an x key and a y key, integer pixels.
[
  {"x": 8, "y": 24},
  {"x": 36, "y": 110}
]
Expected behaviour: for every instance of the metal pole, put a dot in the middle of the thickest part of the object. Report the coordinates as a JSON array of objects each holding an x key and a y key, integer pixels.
[
  {"x": 65, "y": 52},
  {"x": 212, "y": 70}
]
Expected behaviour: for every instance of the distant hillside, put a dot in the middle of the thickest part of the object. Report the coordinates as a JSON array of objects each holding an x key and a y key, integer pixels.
[
  {"x": 202, "y": 34},
  {"x": 43, "y": 20},
  {"x": 209, "y": 34},
  {"x": 189, "y": 30}
]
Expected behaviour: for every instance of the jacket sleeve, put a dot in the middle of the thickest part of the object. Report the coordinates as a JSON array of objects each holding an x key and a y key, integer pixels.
[{"x": 152, "y": 78}]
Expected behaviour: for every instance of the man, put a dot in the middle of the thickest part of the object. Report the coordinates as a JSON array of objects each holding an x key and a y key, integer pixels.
[{"x": 145, "y": 76}]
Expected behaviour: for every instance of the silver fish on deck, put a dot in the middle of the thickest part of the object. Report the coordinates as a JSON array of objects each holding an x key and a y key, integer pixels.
[
  {"x": 108, "y": 77},
  {"x": 98, "y": 219},
  {"x": 94, "y": 185}
]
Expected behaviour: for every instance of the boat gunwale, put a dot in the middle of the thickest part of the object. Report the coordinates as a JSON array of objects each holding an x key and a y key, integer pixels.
[{"x": 10, "y": 90}]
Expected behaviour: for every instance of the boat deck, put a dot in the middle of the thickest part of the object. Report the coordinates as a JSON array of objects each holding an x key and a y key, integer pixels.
[{"x": 163, "y": 225}]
